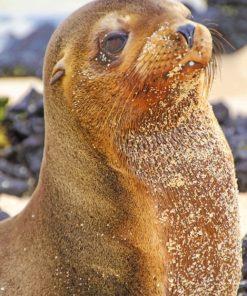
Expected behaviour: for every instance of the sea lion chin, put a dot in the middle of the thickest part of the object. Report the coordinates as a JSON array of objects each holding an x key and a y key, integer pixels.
[{"x": 137, "y": 192}]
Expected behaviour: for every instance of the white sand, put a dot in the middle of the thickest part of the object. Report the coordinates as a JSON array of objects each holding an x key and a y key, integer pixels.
[
  {"x": 231, "y": 83},
  {"x": 16, "y": 88},
  {"x": 13, "y": 205}
]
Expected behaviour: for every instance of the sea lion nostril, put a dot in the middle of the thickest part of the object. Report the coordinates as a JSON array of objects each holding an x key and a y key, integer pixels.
[{"x": 188, "y": 31}]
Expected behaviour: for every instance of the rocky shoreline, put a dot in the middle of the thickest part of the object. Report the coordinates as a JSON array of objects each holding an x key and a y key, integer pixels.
[{"x": 20, "y": 160}]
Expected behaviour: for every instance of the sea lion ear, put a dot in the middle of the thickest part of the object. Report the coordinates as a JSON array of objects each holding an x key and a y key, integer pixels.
[{"x": 58, "y": 71}]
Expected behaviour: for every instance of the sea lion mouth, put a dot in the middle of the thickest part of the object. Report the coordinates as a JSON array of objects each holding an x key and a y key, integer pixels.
[
  {"x": 193, "y": 65},
  {"x": 186, "y": 68}
]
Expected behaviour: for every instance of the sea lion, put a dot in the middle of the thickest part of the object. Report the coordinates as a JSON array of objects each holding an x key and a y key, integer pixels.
[{"x": 137, "y": 192}]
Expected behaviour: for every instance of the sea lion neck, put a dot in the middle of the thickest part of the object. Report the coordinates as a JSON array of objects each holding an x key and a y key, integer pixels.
[
  {"x": 90, "y": 205},
  {"x": 70, "y": 158}
]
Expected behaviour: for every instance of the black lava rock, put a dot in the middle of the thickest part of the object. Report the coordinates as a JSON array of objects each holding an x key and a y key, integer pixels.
[
  {"x": 235, "y": 130},
  {"x": 24, "y": 57},
  {"x": 229, "y": 18},
  {"x": 33, "y": 152},
  {"x": 243, "y": 285},
  {"x": 227, "y": 2},
  {"x": 3, "y": 215},
  {"x": 22, "y": 118},
  {"x": 222, "y": 113},
  {"x": 14, "y": 170},
  {"x": 20, "y": 163},
  {"x": 13, "y": 186}
]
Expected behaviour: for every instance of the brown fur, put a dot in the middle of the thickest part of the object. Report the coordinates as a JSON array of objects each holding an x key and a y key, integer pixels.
[{"x": 137, "y": 192}]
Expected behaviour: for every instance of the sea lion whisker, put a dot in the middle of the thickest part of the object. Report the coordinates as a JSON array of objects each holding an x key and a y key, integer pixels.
[
  {"x": 210, "y": 72},
  {"x": 125, "y": 103},
  {"x": 114, "y": 105},
  {"x": 150, "y": 68},
  {"x": 218, "y": 48},
  {"x": 219, "y": 37},
  {"x": 208, "y": 22}
]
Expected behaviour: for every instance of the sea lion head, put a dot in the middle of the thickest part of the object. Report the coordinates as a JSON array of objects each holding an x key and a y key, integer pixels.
[{"x": 121, "y": 64}]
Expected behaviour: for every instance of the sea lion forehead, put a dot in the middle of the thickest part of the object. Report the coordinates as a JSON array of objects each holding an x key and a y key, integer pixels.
[
  {"x": 173, "y": 4},
  {"x": 122, "y": 16},
  {"x": 114, "y": 21},
  {"x": 141, "y": 7}
]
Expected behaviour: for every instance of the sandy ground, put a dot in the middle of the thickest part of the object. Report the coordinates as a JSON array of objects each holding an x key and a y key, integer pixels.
[
  {"x": 230, "y": 87},
  {"x": 16, "y": 88}
]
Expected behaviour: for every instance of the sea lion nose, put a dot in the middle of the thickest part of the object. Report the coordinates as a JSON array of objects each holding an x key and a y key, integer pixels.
[{"x": 188, "y": 31}]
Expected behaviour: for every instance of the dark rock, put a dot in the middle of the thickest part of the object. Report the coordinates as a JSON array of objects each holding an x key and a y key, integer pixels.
[
  {"x": 28, "y": 103},
  {"x": 20, "y": 164},
  {"x": 9, "y": 153},
  {"x": 37, "y": 125},
  {"x": 3, "y": 215},
  {"x": 33, "y": 142},
  {"x": 230, "y": 19},
  {"x": 7, "y": 39},
  {"x": 36, "y": 108},
  {"x": 13, "y": 186},
  {"x": 227, "y": 2},
  {"x": 235, "y": 130},
  {"x": 244, "y": 247},
  {"x": 242, "y": 167},
  {"x": 244, "y": 269},
  {"x": 25, "y": 118},
  {"x": 229, "y": 131},
  {"x": 222, "y": 113},
  {"x": 13, "y": 170},
  {"x": 242, "y": 288},
  {"x": 23, "y": 57},
  {"x": 242, "y": 181},
  {"x": 22, "y": 128},
  {"x": 243, "y": 285},
  {"x": 241, "y": 126},
  {"x": 34, "y": 160},
  {"x": 33, "y": 153},
  {"x": 237, "y": 143}
]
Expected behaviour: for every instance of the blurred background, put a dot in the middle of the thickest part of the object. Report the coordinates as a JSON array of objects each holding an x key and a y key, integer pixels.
[{"x": 25, "y": 29}]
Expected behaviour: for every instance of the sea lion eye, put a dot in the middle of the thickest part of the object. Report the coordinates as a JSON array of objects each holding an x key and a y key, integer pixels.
[{"x": 115, "y": 42}]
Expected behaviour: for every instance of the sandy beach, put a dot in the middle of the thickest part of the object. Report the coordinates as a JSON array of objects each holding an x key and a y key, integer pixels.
[
  {"x": 16, "y": 88},
  {"x": 230, "y": 85}
]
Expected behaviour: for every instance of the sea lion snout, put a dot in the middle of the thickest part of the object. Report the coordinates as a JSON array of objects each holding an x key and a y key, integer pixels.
[
  {"x": 188, "y": 32},
  {"x": 195, "y": 41}
]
